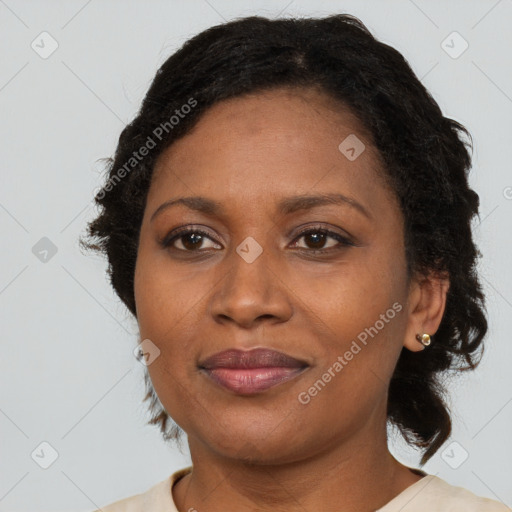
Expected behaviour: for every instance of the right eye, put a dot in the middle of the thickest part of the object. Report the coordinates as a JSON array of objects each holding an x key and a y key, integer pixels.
[{"x": 191, "y": 240}]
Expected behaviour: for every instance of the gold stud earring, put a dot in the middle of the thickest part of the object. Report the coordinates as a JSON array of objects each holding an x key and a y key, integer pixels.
[{"x": 424, "y": 339}]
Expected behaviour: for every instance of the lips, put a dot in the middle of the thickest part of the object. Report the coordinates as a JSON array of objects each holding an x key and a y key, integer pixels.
[{"x": 251, "y": 372}]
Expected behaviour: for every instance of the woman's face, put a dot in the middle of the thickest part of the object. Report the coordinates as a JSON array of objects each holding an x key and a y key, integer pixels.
[{"x": 254, "y": 280}]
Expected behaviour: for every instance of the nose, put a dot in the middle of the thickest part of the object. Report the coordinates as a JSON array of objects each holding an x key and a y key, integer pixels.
[{"x": 251, "y": 293}]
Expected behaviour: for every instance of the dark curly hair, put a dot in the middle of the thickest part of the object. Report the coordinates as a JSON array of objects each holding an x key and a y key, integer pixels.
[{"x": 426, "y": 160}]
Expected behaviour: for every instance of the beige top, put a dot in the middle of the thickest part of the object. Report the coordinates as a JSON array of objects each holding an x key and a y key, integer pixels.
[{"x": 430, "y": 494}]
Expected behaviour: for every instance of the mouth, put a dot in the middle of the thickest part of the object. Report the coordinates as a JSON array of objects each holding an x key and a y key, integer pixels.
[{"x": 251, "y": 372}]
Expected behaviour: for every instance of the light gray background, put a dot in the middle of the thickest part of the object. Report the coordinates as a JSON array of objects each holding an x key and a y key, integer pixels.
[{"x": 67, "y": 374}]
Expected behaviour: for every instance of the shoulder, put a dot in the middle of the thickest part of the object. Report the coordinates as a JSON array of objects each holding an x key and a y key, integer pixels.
[
  {"x": 157, "y": 498},
  {"x": 141, "y": 502},
  {"x": 456, "y": 497},
  {"x": 433, "y": 494}
]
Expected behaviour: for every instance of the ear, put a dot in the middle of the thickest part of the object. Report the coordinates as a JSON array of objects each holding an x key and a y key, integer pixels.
[{"x": 426, "y": 305}]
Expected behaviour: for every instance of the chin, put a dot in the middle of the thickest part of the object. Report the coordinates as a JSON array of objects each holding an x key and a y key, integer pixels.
[{"x": 254, "y": 444}]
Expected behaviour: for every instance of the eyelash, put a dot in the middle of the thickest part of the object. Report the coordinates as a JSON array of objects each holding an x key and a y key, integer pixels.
[{"x": 343, "y": 241}]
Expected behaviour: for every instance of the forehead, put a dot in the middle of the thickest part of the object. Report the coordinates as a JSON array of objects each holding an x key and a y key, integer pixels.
[{"x": 273, "y": 144}]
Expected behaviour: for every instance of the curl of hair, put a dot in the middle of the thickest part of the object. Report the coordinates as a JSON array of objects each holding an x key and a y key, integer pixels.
[{"x": 425, "y": 157}]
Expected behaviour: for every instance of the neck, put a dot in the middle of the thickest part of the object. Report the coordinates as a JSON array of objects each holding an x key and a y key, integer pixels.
[{"x": 358, "y": 474}]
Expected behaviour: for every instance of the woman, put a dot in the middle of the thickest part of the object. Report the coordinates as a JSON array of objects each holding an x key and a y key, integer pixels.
[{"x": 288, "y": 219}]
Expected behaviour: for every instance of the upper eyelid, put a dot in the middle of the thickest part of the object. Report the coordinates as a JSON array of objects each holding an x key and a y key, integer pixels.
[{"x": 180, "y": 231}]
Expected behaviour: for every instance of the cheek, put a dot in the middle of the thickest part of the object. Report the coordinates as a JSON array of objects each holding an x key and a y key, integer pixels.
[
  {"x": 354, "y": 295},
  {"x": 364, "y": 308},
  {"x": 165, "y": 310},
  {"x": 171, "y": 311},
  {"x": 163, "y": 298}
]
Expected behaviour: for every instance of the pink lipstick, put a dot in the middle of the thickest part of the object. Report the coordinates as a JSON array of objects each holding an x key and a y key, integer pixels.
[{"x": 251, "y": 372}]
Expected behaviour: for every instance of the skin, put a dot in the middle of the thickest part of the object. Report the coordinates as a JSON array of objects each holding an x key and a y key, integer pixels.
[{"x": 269, "y": 451}]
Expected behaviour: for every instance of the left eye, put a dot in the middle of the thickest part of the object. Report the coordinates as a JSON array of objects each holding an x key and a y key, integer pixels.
[{"x": 317, "y": 238}]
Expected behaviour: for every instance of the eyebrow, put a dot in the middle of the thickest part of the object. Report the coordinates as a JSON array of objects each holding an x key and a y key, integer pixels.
[{"x": 286, "y": 206}]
